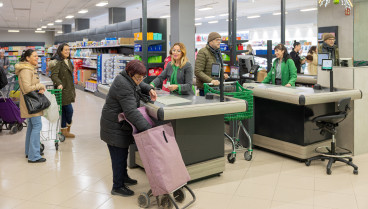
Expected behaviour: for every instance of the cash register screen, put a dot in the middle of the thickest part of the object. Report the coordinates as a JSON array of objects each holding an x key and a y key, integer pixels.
[
  {"x": 327, "y": 64},
  {"x": 322, "y": 56}
]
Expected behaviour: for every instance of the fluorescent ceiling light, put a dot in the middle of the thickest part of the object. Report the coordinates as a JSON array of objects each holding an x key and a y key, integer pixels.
[
  {"x": 255, "y": 16},
  {"x": 198, "y": 23},
  {"x": 102, "y": 3},
  {"x": 40, "y": 31},
  {"x": 13, "y": 31},
  {"x": 1, "y": 4},
  {"x": 208, "y": 17},
  {"x": 278, "y": 13},
  {"x": 165, "y": 16},
  {"x": 198, "y": 18},
  {"x": 83, "y": 11},
  {"x": 205, "y": 8},
  {"x": 50, "y": 24},
  {"x": 69, "y": 16},
  {"x": 222, "y": 15},
  {"x": 211, "y": 22},
  {"x": 58, "y": 20},
  {"x": 307, "y": 10},
  {"x": 60, "y": 31},
  {"x": 44, "y": 26}
]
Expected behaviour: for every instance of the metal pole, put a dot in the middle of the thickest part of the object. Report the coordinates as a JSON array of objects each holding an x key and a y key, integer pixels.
[
  {"x": 144, "y": 33},
  {"x": 283, "y": 21},
  {"x": 269, "y": 55}
]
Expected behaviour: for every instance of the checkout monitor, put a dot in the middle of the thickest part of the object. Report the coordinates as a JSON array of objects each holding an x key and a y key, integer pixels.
[
  {"x": 245, "y": 64},
  {"x": 322, "y": 56}
]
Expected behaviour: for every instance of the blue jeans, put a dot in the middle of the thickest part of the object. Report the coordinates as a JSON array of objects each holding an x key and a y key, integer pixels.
[
  {"x": 33, "y": 138},
  {"x": 67, "y": 115},
  {"x": 201, "y": 92}
]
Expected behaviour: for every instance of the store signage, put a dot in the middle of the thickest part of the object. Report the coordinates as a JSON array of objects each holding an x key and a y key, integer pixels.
[{"x": 347, "y": 11}]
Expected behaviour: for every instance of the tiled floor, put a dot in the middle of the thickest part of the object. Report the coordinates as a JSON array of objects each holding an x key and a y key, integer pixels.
[{"x": 79, "y": 176}]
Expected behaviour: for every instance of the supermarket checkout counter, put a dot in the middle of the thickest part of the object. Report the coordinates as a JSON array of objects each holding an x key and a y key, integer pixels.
[
  {"x": 305, "y": 79},
  {"x": 199, "y": 129},
  {"x": 282, "y": 117}
]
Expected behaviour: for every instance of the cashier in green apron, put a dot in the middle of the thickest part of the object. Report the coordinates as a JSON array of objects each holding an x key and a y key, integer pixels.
[
  {"x": 179, "y": 73},
  {"x": 283, "y": 71}
]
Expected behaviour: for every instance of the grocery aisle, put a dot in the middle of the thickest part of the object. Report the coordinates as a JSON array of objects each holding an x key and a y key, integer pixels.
[{"x": 79, "y": 176}]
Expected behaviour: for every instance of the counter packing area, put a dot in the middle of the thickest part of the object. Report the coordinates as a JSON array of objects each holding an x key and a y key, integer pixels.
[
  {"x": 199, "y": 129},
  {"x": 282, "y": 117}
]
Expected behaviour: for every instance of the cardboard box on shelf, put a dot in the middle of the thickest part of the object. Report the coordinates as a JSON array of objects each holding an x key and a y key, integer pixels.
[
  {"x": 126, "y": 41},
  {"x": 84, "y": 76}
]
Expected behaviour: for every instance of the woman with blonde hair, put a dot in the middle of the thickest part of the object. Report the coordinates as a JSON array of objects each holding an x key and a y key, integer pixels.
[{"x": 179, "y": 72}]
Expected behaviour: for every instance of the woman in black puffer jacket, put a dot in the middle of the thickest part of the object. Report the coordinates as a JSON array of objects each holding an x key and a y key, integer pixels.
[{"x": 124, "y": 97}]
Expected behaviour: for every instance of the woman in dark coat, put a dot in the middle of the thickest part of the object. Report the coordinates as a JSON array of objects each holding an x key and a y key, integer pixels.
[
  {"x": 62, "y": 77},
  {"x": 124, "y": 97}
]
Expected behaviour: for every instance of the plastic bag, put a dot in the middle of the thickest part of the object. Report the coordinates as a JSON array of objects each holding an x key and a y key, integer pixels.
[{"x": 51, "y": 113}]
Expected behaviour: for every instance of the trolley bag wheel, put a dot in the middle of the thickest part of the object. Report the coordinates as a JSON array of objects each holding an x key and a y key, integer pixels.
[
  {"x": 20, "y": 126},
  {"x": 144, "y": 200},
  {"x": 42, "y": 148},
  {"x": 56, "y": 146},
  {"x": 355, "y": 172},
  {"x": 180, "y": 195},
  {"x": 13, "y": 129},
  {"x": 166, "y": 203},
  {"x": 61, "y": 138},
  {"x": 247, "y": 156},
  {"x": 231, "y": 158},
  {"x": 328, "y": 171},
  {"x": 307, "y": 163}
]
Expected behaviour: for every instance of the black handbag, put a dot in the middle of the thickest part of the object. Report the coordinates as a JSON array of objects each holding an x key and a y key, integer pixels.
[{"x": 36, "y": 102}]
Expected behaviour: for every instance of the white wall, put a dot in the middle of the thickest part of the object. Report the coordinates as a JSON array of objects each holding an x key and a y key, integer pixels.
[
  {"x": 334, "y": 15},
  {"x": 360, "y": 31},
  {"x": 27, "y": 36}
]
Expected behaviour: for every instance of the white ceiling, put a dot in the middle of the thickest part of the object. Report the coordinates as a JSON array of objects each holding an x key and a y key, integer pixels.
[{"x": 31, "y": 14}]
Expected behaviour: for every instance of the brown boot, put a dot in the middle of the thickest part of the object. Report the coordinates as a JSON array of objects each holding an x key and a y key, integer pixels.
[
  {"x": 65, "y": 132},
  {"x": 68, "y": 128}
]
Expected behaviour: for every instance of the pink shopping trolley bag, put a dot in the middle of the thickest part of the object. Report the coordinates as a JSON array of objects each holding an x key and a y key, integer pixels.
[{"x": 161, "y": 158}]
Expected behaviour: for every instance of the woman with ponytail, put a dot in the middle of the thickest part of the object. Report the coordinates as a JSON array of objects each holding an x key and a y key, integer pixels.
[
  {"x": 294, "y": 54},
  {"x": 29, "y": 81}
]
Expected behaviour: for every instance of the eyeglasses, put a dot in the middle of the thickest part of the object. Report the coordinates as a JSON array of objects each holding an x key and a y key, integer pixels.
[{"x": 140, "y": 78}]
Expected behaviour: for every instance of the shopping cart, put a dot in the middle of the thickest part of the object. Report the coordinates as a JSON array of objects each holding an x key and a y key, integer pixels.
[
  {"x": 234, "y": 89},
  {"x": 9, "y": 110},
  {"x": 54, "y": 129}
]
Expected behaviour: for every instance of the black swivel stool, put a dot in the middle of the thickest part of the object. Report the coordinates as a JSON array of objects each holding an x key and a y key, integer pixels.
[{"x": 327, "y": 124}]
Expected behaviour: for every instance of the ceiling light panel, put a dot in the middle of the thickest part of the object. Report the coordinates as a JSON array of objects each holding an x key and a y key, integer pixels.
[
  {"x": 83, "y": 11},
  {"x": 13, "y": 31},
  {"x": 102, "y": 4},
  {"x": 58, "y": 21},
  {"x": 69, "y": 16}
]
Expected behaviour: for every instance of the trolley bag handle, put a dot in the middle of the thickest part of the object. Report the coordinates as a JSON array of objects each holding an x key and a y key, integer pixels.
[{"x": 143, "y": 111}]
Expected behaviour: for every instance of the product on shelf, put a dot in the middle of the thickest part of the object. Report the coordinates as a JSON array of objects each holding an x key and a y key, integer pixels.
[
  {"x": 156, "y": 71},
  {"x": 150, "y": 36},
  {"x": 110, "y": 65},
  {"x": 155, "y": 59}
]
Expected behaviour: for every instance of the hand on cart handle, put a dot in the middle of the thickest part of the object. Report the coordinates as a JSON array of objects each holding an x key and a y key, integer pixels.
[
  {"x": 215, "y": 82},
  {"x": 60, "y": 87},
  {"x": 153, "y": 95},
  {"x": 173, "y": 87}
]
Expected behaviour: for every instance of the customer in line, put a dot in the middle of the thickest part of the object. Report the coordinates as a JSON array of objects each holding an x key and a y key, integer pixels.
[
  {"x": 328, "y": 46},
  {"x": 4, "y": 62},
  {"x": 62, "y": 77},
  {"x": 205, "y": 58},
  {"x": 29, "y": 81},
  {"x": 179, "y": 72},
  {"x": 295, "y": 55},
  {"x": 250, "y": 49},
  {"x": 283, "y": 71},
  {"x": 124, "y": 97},
  {"x": 312, "y": 60}
]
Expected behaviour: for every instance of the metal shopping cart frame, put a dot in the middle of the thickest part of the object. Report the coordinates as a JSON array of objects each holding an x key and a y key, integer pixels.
[
  {"x": 234, "y": 89},
  {"x": 48, "y": 135}
]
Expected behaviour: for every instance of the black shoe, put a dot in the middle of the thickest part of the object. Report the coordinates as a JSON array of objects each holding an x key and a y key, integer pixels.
[
  {"x": 40, "y": 154},
  {"x": 123, "y": 191},
  {"x": 41, "y": 160},
  {"x": 129, "y": 181}
]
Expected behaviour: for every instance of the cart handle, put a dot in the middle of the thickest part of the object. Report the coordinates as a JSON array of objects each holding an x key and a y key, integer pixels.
[{"x": 231, "y": 82}]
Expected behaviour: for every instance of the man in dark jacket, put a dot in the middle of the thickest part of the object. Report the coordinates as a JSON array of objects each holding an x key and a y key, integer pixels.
[
  {"x": 205, "y": 58},
  {"x": 328, "y": 46},
  {"x": 124, "y": 97}
]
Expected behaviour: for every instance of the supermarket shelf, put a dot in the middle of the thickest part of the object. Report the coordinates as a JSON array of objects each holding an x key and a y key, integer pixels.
[
  {"x": 95, "y": 79},
  {"x": 161, "y": 64},
  {"x": 264, "y": 55},
  {"x": 97, "y": 47},
  {"x": 92, "y": 67},
  {"x": 237, "y": 41},
  {"x": 94, "y": 58},
  {"x": 151, "y": 42},
  {"x": 151, "y": 53},
  {"x": 90, "y": 90},
  {"x": 237, "y": 51}
]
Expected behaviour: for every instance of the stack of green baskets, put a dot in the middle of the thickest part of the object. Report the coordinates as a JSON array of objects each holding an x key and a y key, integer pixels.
[
  {"x": 240, "y": 93},
  {"x": 58, "y": 96}
]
